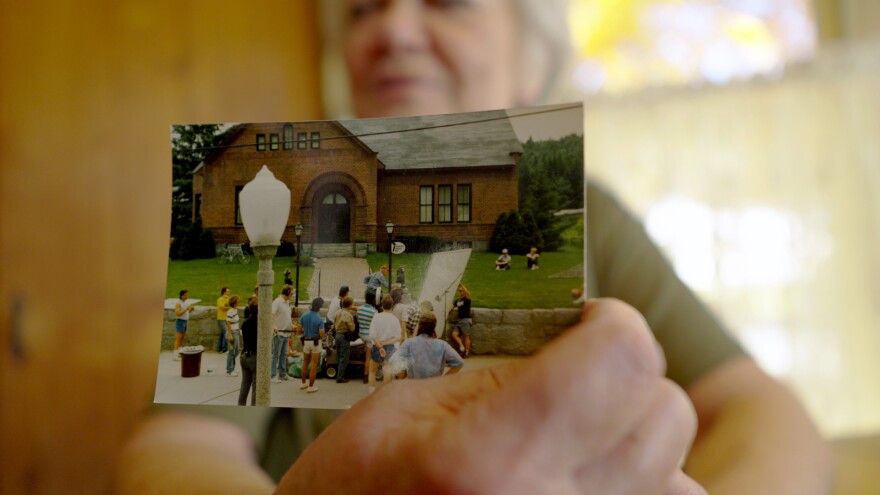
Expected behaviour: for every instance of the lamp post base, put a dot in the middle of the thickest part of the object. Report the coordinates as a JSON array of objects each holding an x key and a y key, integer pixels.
[{"x": 265, "y": 279}]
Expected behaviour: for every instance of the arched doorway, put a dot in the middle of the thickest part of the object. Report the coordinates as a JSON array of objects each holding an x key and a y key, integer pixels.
[{"x": 333, "y": 216}]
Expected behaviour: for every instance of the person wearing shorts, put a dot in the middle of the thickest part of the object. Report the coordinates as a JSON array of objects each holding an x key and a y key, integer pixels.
[
  {"x": 313, "y": 332},
  {"x": 182, "y": 309},
  {"x": 384, "y": 333},
  {"x": 462, "y": 331}
]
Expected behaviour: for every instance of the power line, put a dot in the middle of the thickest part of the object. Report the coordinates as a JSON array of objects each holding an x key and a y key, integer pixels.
[{"x": 400, "y": 131}]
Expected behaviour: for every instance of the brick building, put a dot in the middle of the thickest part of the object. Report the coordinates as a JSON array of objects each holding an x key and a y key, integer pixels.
[{"x": 447, "y": 176}]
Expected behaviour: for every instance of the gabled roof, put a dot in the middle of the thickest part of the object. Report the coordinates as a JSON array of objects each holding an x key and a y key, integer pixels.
[{"x": 476, "y": 139}]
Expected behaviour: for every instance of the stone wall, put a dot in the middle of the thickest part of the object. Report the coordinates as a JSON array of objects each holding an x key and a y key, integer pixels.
[{"x": 515, "y": 332}]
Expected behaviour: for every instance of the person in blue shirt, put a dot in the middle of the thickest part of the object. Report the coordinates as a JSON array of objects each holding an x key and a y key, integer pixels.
[
  {"x": 375, "y": 281},
  {"x": 313, "y": 332},
  {"x": 426, "y": 356}
]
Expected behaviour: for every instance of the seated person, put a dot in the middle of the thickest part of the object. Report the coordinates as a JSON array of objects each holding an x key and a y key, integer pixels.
[
  {"x": 532, "y": 259},
  {"x": 503, "y": 261}
]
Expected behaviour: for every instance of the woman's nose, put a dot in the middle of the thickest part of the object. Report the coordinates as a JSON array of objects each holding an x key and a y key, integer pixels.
[{"x": 403, "y": 25}]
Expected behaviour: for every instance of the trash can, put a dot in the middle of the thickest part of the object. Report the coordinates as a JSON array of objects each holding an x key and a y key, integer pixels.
[{"x": 191, "y": 360}]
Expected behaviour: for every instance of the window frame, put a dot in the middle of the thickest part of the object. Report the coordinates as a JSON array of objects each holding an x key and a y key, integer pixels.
[
  {"x": 287, "y": 137},
  {"x": 315, "y": 138},
  {"x": 237, "y": 213},
  {"x": 274, "y": 142},
  {"x": 302, "y": 142},
  {"x": 261, "y": 142},
  {"x": 459, "y": 204},
  {"x": 423, "y": 205},
  {"x": 441, "y": 206}
]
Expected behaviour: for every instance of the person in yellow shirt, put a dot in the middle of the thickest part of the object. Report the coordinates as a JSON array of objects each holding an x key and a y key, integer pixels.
[{"x": 222, "y": 309}]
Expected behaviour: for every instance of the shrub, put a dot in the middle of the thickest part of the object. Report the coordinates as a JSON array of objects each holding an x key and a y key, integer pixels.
[
  {"x": 192, "y": 242},
  {"x": 418, "y": 243},
  {"x": 516, "y": 232},
  {"x": 286, "y": 249}
]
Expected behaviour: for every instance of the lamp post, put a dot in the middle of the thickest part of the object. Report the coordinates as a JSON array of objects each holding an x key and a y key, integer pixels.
[
  {"x": 389, "y": 227},
  {"x": 299, "y": 230},
  {"x": 265, "y": 206}
]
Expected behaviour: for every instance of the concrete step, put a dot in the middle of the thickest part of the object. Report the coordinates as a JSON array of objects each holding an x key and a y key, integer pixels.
[{"x": 332, "y": 250}]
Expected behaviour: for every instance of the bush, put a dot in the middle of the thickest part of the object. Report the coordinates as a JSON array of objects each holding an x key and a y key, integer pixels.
[
  {"x": 418, "y": 243},
  {"x": 286, "y": 249},
  {"x": 518, "y": 233},
  {"x": 192, "y": 242}
]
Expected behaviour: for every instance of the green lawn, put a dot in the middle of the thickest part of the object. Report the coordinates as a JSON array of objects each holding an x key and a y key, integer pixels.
[
  {"x": 516, "y": 288},
  {"x": 204, "y": 278}
]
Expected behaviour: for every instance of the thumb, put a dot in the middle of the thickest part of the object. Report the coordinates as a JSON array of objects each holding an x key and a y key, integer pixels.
[{"x": 682, "y": 484}]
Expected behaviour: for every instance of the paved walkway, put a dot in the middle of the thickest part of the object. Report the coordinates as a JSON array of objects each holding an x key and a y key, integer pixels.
[
  {"x": 216, "y": 388},
  {"x": 332, "y": 273}
]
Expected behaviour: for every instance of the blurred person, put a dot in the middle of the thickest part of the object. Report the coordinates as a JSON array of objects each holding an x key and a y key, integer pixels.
[
  {"x": 282, "y": 327},
  {"x": 365, "y": 315},
  {"x": 344, "y": 323},
  {"x": 313, "y": 332},
  {"x": 384, "y": 334},
  {"x": 532, "y": 259},
  {"x": 335, "y": 304},
  {"x": 426, "y": 356},
  {"x": 181, "y": 312},
  {"x": 407, "y": 314},
  {"x": 503, "y": 261},
  {"x": 233, "y": 336},
  {"x": 461, "y": 333},
  {"x": 249, "y": 354},
  {"x": 608, "y": 422},
  {"x": 222, "y": 308},
  {"x": 256, "y": 294},
  {"x": 375, "y": 282}
]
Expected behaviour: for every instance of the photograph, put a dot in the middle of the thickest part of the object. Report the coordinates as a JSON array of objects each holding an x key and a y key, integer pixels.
[{"x": 420, "y": 214}]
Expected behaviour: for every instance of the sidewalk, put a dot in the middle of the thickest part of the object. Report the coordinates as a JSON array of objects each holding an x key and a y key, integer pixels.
[
  {"x": 332, "y": 273},
  {"x": 219, "y": 389}
]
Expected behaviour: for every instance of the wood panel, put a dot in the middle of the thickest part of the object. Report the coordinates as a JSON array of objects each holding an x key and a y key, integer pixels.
[{"x": 87, "y": 93}]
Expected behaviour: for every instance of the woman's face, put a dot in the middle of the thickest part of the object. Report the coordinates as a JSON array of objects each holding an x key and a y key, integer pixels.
[{"x": 411, "y": 57}]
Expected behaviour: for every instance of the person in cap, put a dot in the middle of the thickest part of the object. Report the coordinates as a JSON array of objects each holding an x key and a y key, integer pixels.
[{"x": 503, "y": 261}]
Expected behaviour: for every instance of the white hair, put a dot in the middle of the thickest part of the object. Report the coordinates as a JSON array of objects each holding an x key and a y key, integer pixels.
[{"x": 546, "y": 69}]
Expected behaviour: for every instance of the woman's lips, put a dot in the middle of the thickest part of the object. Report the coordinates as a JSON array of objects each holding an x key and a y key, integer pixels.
[{"x": 396, "y": 87}]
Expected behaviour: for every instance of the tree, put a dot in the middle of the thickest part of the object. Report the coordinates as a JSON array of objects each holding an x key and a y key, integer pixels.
[
  {"x": 551, "y": 178},
  {"x": 189, "y": 146},
  {"x": 515, "y": 232}
]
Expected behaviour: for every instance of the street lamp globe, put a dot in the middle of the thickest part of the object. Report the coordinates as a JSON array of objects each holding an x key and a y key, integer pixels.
[
  {"x": 265, "y": 206},
  {"x": 389, "y": 227},
  {"x": 298, "y": 230}
]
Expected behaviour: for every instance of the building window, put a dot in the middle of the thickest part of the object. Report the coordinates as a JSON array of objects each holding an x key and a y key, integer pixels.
[
  {"x": 261, "y": 142},
  {"x": 197, "y": 207},
  {"x": 301, "y": 140},
  {"x": 316, "y": 140},
  {"x": 334, "y": 199},
  {"x": 464, "y": 203},
  {"x": 238, "y": 205},
  {"x": 444, "y": 204},
  {"x": 426, "y": 204},
  {"x": 273, "y": 141},
  {"x": 288, "y": 137}
]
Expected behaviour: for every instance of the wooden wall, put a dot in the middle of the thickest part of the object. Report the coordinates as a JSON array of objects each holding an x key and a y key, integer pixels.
[{"x": 87, "y": 93}]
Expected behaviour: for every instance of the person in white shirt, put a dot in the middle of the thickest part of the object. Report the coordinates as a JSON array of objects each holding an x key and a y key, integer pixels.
[
  {"x": 384, "y": 333},
  {"x": 233, "y": 336},
  {"x": 282, "y": 326},
  {"x": 182, "y": 309},
  {"x": 335, "y": 305}
]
